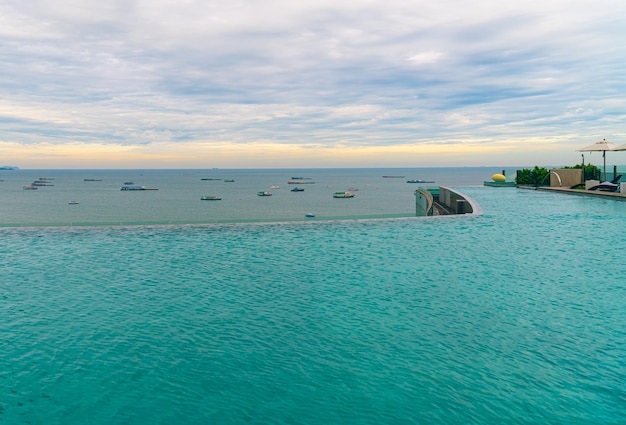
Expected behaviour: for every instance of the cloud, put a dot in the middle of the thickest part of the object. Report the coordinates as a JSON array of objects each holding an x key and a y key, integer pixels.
[{"x": 341, "y": 76}]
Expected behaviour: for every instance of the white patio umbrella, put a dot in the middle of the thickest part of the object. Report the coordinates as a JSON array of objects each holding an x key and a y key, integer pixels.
[
  {"x": 620, "y": 148},
  {"x": 601, "y": 146}
]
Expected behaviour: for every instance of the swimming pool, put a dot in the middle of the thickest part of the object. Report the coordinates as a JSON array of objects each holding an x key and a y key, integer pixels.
[{"x": 514, "y": 316}]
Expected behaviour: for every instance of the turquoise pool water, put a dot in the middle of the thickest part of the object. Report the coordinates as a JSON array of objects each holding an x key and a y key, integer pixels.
[{"x": 515, "y": 316}]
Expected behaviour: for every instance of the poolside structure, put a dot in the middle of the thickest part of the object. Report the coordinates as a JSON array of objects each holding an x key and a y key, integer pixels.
[
  {"x": 620, "y": 196},
  {"x": 443, "y": 201},
  {"x": 500, "y": 180},
  {"x": 565, "y": 177}
]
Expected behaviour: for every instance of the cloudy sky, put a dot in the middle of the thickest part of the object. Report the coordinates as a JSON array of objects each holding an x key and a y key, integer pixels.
[{"x": 309, "y": 83}]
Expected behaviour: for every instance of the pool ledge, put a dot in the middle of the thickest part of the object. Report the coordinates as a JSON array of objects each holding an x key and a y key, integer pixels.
[{"x": 593, "y": 193}]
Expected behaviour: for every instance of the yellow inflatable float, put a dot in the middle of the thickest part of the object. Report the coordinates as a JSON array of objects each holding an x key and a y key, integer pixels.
[{"x": 498, "y": 177}]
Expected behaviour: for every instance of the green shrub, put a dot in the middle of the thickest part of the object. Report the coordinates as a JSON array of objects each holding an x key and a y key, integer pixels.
[
  {"x": 539, "y": 175},
  {"x": 535, "y": 176}
]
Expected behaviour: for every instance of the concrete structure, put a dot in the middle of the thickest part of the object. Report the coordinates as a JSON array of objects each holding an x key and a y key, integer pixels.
[
  {"x": 565, "y": 177},
  {"x": 423, "y": 203},
  {"x": 597, "y": 193},
  {"x": 443, "y": 201}
]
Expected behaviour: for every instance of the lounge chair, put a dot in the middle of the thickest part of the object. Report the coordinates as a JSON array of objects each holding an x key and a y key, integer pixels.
[
  {"x": 606, "y": 187},
  {"x": 612, "y": 186}
]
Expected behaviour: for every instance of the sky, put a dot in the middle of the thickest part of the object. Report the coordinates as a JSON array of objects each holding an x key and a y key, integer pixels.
[{"x": 310, "y": 83}]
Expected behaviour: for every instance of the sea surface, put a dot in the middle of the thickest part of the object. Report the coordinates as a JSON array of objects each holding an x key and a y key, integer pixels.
[
  {"x": 515, "y": 316},
  {"x": 177, "y": 200}
]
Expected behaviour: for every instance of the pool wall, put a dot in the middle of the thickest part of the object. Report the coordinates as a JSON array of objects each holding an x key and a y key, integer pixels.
[{"x": 443, "y": 201}]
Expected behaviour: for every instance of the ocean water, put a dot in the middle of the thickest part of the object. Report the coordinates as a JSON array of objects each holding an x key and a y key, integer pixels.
[
  {"x": 515, "y": 316},
  {"x": 177, "y": 200}
]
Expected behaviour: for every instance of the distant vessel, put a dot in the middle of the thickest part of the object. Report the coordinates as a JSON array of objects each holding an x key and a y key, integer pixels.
[
  {"x": 8, "y": 168},
  {"x": 92, "y": 180},
  {"x": 210, "y": 179},
  {"x": 299, "y": 181},
  {"x": 29, "y": 187},
  {"x": 42, "y": 182},
  {"x": 274, "y": 187},
  {"x": 393, "y": 177},
  {"x": 297, "y": 189},
  {"x": 229, "y": 181},
  {"x": 310, "y": 215},
  {"x": 136, "y": 187},
  {"x": 264, "y": 193},
  {"x": 343, "y": 195},
  {"x": 73, "y": 202},
  {"x": 211, "y": 198},
  {"x": 420, "y": 181}
]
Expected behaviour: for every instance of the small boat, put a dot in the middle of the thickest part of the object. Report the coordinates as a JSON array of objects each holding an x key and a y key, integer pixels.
[
  {"x": 297, "y": 189},
  {"x": 207, "y": 179},
  {"x": 73, "y": 202},
  {"x": 300, "y": 181},
  {"x": 420, "y": 181},
  {"x": 211, "y": 198},
  {"x": 274, "y": 187},
  {"x": 136, "y": 187},
  {"x": 128, "y": 183},
  {"x": 29, "y": 187},
  {"x": 229, "y": 181},
  {"x": 92, "y": 180},
  {"x": 343, "y": 195},
  {"x": 42, "y": 181},
  {"x": 393, "y": 177},
  {"x": 264, "y": 194},
  {"x": 310, "y": 215}
]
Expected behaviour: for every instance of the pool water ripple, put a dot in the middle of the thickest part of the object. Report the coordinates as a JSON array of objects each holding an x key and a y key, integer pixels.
[{"x": 515, "y": 317}]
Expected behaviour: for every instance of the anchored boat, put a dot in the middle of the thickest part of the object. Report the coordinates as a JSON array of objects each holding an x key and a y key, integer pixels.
[
  {"x": 136, "y": 187},
  {"x": 343, "y": 195},
  {"x": 420, "y": 181}
]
